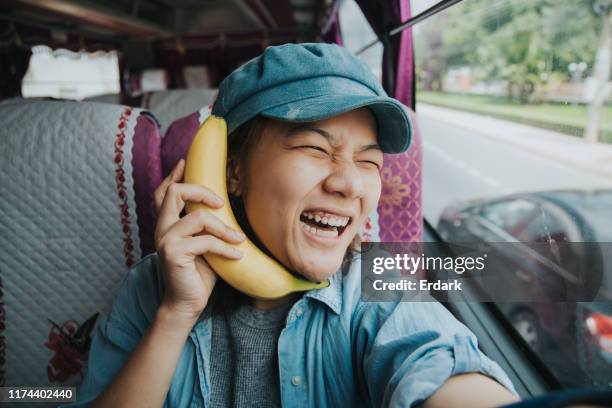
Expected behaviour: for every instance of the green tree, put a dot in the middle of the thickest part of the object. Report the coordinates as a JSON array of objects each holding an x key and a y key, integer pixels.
[
  {"x": 431, "y": 60},
  {"x": 527, "y": 43},
  {"x": 601, "y": 70}
]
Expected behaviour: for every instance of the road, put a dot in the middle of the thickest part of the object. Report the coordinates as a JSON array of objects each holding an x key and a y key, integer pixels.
[{"x": 461, "y": 163}]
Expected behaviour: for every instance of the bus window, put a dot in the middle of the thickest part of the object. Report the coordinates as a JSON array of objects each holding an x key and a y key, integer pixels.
[
  {"x": 356, "y": 33},
  {"x": 513, "y": 100}
]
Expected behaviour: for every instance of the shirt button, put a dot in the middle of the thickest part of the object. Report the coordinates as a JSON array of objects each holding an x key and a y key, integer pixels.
[
  {"x": 299, "y": 312},
  {"x": 296, "y": 380}
]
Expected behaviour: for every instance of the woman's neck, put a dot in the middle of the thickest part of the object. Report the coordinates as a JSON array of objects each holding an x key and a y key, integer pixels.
[{"x": 267, "y": 304}]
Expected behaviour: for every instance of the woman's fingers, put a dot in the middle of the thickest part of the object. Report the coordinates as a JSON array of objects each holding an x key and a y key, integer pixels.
[
  {"x": 175, "y": 176},
  {"x": 176, "y": 253},
  {"x": 202, "y": 221},
  {"x": 208, "y": 244},
  {"x": 174, "y": 202}
]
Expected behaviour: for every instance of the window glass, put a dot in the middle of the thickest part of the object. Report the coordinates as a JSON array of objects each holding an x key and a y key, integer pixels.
[
  {"x": 508, "y": 215},
  {"x": 514, "y": 108},
  {"x": 70, "y": 75},
  {"x": 357, "y": 33}
]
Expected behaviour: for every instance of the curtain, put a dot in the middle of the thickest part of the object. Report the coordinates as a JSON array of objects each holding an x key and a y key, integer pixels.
[
  {"x": 397, "y": 56},
  {"x": 330, "y": 32},
  {"x": 400, "y": 215}
]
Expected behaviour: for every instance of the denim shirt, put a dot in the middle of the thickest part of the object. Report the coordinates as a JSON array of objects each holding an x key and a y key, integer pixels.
[{"x": 335, "y": 349}]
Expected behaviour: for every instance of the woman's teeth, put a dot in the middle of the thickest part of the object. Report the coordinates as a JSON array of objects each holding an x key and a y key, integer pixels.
[
  {"x": 327, "y": 219},
  {"x": 323, "y": 224},
  {"x": 320, "y": 232}
]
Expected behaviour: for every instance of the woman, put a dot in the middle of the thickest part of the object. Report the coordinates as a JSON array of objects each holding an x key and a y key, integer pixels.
[{"x": 308, "y": 127}]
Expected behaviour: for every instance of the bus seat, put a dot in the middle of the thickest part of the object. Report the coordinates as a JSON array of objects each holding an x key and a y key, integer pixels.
[
  {"x": 12, "y": 99},
  {"x": 77, "y": 209},
  {"x": 173, "y": 104},
  {"x": 30, "y": 99},
  {"x": 178, "y": 138},
  {"x": 398, "y": 217},
  {"x": 105, "y": 98}
]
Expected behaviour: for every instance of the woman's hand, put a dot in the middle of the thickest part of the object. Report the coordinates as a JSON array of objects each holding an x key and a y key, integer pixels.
[{"x": 180, "y": 242}]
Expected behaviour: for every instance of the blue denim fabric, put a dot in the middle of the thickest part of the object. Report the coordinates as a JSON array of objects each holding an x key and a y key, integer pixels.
[
  {"x": 335, "y": 350},
  {"x": 310, "y": 82}
]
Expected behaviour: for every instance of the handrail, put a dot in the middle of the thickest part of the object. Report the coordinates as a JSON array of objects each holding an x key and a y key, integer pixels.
[{"x": 435, "y": 9}]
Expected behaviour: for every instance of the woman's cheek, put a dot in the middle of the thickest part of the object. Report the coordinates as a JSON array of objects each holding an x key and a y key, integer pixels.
[
  {"x": 373, "y": 188},
  {"x": 306, "y": 170}
]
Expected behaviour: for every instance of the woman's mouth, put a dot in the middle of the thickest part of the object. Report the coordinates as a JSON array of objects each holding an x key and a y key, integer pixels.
[{"x": 324, "y": 224}]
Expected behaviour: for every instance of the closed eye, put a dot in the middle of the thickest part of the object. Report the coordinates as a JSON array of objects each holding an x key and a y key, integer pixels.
[
  {"x": 372, "y": 162},
  {"x": 315, "y": 148}
]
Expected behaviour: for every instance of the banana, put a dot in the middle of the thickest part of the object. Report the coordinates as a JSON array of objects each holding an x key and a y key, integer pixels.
[{"x": 255, "y": 274}]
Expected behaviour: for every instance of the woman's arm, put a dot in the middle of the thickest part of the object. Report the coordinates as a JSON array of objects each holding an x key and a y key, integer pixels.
[
  {"x": 405, "y": 352},
  {"x": 470, "y": 390},
  {"x": 145, "y": 378}
]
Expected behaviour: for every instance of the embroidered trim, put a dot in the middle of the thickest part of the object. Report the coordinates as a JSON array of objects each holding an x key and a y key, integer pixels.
[{"x": 128, "y": 244}]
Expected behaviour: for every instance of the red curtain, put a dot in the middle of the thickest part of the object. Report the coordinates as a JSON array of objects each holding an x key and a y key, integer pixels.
[{"x": 400, "y": 216}]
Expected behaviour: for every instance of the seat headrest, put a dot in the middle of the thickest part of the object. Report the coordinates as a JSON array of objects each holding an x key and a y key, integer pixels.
[{"x": 171, "y": 105}]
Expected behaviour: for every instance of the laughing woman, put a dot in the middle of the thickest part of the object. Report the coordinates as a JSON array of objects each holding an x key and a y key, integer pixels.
[{"x": 308, "y": 127}]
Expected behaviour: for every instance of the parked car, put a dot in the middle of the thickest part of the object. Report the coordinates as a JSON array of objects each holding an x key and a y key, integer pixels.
[{"x": 560, "y": 217}]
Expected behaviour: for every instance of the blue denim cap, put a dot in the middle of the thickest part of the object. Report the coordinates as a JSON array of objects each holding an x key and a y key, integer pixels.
[{"x": 310, "y": 82}]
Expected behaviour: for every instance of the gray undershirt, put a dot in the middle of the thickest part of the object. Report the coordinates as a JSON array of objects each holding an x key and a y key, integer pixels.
[{"x": 244, "y": 358}]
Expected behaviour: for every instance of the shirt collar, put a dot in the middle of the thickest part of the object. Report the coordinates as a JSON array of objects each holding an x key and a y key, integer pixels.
[{"x": 331, "y": 295}]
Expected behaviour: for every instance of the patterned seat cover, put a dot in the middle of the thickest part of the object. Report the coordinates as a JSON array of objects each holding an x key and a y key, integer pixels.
[{"x": 77, "y": 183}]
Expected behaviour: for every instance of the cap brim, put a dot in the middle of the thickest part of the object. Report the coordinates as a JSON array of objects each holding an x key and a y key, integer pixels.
[{"x": 393, "y": 122}]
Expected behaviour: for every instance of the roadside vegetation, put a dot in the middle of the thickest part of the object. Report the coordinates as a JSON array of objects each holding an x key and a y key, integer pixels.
[
  {"x": 565, "y": 118},
  {"x": 546, "y": 62}
]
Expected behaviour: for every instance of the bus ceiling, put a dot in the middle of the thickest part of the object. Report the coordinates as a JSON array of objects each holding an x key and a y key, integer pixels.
[
  {"x": 162, "y": 33},
  {"x": 106, "y": 24},
  {"x": 172, "y": 34}
]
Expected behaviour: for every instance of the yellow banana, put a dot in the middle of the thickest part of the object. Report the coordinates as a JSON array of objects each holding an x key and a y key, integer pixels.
[{"x": 255, "y": 274}]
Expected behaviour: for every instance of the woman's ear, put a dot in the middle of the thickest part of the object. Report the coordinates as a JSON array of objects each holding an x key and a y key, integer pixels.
[{"x": 233, "y": 176}]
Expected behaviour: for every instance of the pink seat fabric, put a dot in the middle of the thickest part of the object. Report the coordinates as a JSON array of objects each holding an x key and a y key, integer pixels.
[
  {"x": 147, "y": 175},
  {"x": 400, "y": 215},
  {"x": 177, "y": 139}
]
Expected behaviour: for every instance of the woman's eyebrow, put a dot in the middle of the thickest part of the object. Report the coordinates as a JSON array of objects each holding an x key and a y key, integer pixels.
[
  {"x": 306, "y": 127},
  {"x": 373, "y": 146}
]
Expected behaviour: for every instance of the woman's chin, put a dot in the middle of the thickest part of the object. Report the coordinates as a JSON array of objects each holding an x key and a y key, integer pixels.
[
  {"x": 314, "y": 263},
  {"x": 319, "y": 273}
]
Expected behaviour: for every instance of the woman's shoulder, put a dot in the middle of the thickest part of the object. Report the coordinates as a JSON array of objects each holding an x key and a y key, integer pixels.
[
  {"x": 355, "y": 284},
  {"x": 139, "y": 293},
  {"x": 146, "y": 272},
  {"x": 419, "y": 311}
]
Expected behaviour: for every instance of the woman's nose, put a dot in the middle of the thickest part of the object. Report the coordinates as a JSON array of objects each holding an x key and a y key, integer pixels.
[{"x": 345, "y": 179}]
